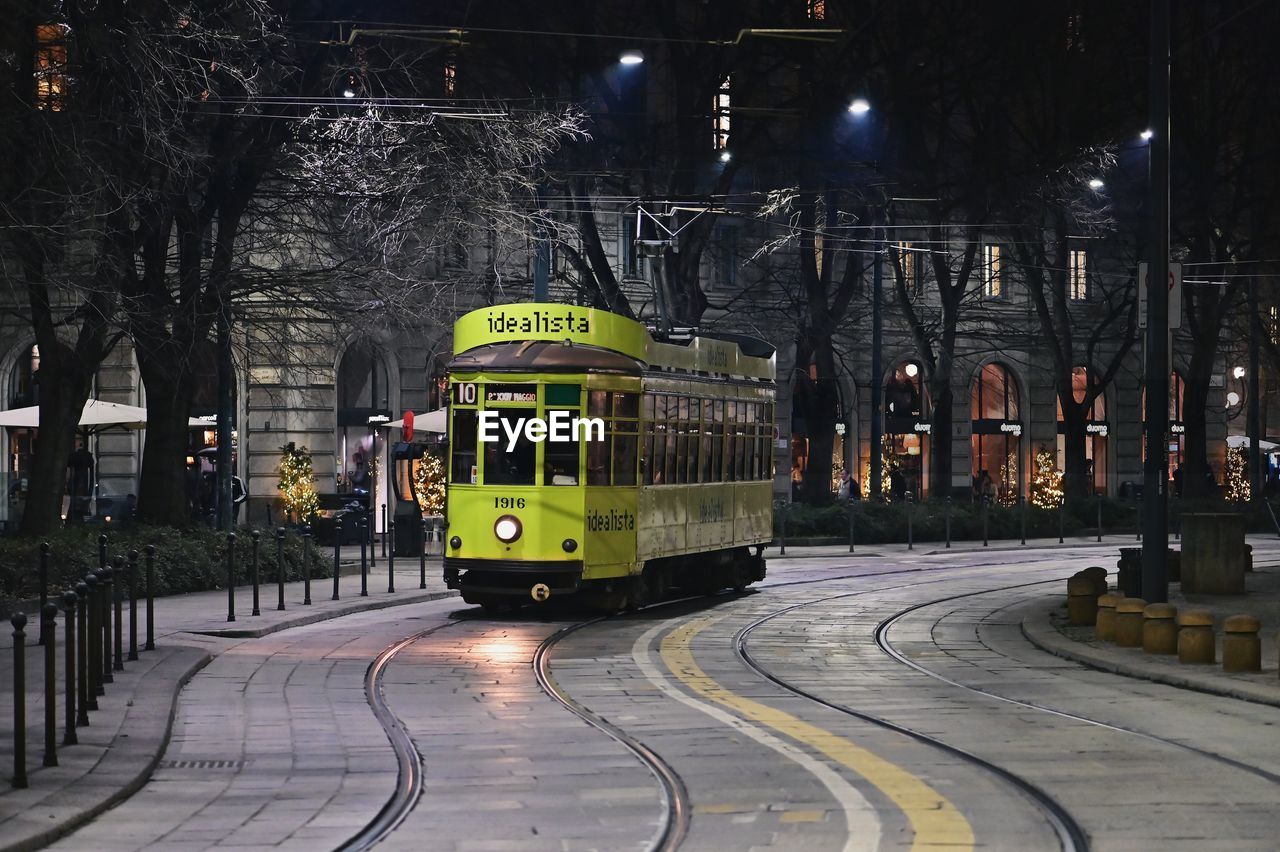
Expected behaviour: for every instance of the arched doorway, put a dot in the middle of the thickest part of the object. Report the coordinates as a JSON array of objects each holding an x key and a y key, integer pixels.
[
  {"x": 906, "y": 432},
  {"x": 202, "y": 441},
  {"x": 996, "y": 445},
  {"x": 1177, "y": 429},
  {"x": 1096, "y": 432},
  {"x": 363, "y": 400}
]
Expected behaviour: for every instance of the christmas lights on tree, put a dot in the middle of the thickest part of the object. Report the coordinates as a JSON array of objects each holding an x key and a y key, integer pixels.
[
  {"x": 297, "y": 483},
  {"x": 1046, "y": 481},
  {"x": 1009, "y": 479},
  {"x": 428, "y": 483},
  {"x": 1235, "y": 476},
  {"x": 889, "y": 462}
]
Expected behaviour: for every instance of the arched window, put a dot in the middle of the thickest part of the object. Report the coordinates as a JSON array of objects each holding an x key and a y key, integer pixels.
[
  {"x": 363, "y": 392},
  {"x": 906, "y": 433},
  {"x": 996, "y": 445},
  {"x": 1176, "y": 427},
  {"x": 1096, "y": 431}
]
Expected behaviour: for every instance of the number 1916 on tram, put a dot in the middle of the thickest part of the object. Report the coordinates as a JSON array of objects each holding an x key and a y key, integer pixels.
[{"x": 588, "y": 457}]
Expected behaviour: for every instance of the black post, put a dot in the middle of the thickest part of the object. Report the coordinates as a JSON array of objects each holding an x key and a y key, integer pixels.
[
  {"x": 1138, "y": 520},
  {"x": 102, "y": 553},
  {"x": 225, "y": 507},
  {"x": 364, "y": 558},
  {"x": 849, "y": 509},
  {"x": 93, "y": 604},
  {"x": 384, "y": 529},
  {"x": 69, "y": 601},
  {"x": 19, "y": 780},
  {"x": 1062, "y": 508},
  {"x": 947, "y": 515},
  {"x": 370, "y": 532},
  {"x": 255, "y": 578},
  {"x": 986, "y": 507},
  {"x": 1099, "y": 517},
  {"x": 87, "y": 700},
  {"x": 877, "y": 368},
  {"x": 1155, "y": 540},
  {"x": 337, "y": 555},
  {"x": 48, "y": 626},
  {"x": 231, "y": 576},
  {"x": 306, "y": 565},
  {"x": 151, "y": 598},
  {"x": 391, "y": 559},
  {"x": 280, "y": 566},
  {"x": 44, "y": 584},
  {"x": 133, "y": 604},
  {"x": 1256, "y": 479},
  {"x": 105, "y": 588},
  {"x": 910, "y": 523},
  {"x": 422, "y": 555},
  {"x": 117, "y": 601},
  {"x": 1022, "y": 499}
]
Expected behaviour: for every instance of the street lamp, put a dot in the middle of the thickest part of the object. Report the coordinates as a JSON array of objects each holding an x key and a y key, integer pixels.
[
  {"x": 860, "y": 106},
  {"x": 1096, "y": 184},
  {"x": 1146, "y": 135},
  {"x": 631, "y": 57},
  {"x": 1238, "y": 373},
  {"x": 725, "y": 156}
]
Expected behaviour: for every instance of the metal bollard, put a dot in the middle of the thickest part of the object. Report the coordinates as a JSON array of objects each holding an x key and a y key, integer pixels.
[
  {"x": 370, "y": 532},
  {"x": 84, "y": 682},
  {"x": 44, "y": 584},
  {"x": 337, "y": 555},
  {"x": 910, "y": 523},
  {"x": 1137, "y": 520},
  {"x": 306, "y": 565},
  {"x": 133, "y": 604},
  {"x": 1062, "y": 506},
  {"x": 117, "y": 601},
  {"x": 986, "y": 511},
  {"x": 422, "y": 554},
  {"x": 19, "y": 780},
  {"x": 69, "y": 606},
  {"x": 48, "y": 626},
  {"x": 1099, "y": 517},
  {"x": 151, "y": 598},
  {"x": 850, "y": 512},
  {"x": 391, "y": 560},
  {"x": 1023, "y": 520},
  {"x": 231, "y": 576},
  {"x": 947, "y": 518},
  {"x": 364, "y": 562},
  {"x": 254, "y": 577},
  {"x": 384, "y": 530},
  {"x": 93, "y": 637},
  {"x": 104, "y": 622},
  {"x": 102, "y": 553},
  {"x": 280, "y": 567},
  {"x": 782, "y": 531}
]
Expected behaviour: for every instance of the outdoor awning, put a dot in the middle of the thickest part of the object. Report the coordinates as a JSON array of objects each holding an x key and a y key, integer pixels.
[
  {"x": 96, "y": 415},
  {"x": 432, "y": 421},
  {"x": 1240, "y": 442}
]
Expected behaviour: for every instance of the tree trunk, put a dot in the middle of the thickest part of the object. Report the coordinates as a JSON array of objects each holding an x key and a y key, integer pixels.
[
  {"x": 940, "y": 439},
  {"x": 1076, "y": 484},
  {"x": 162, "y": 489},
  {"x": 820, "y": 413},
  {"x": 64, "y": 389},
  {"x": 1196, "y": 474}
]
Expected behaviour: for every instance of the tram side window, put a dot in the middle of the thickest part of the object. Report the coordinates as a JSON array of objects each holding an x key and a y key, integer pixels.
[
  {"x": 672, "y": 427},
  {"x": 767, "y": 473},
  {"x": 656, "y": 439},
  {"x": 704, "y": 440},
  {"x": 694, "y": 430},
  {"x": 626, "y": 439},
  {"x": 517, "y": 466},
  {"x": 463, "y": 444},
  {"x": 750, "y": 432},
  {"x": 731, "y": 439},
  {"x": 682, "y": 441},
  {"x": 717, "y": 440},
  {"x": 560, "y": 458},
  {"x": 598, "y": 452}
]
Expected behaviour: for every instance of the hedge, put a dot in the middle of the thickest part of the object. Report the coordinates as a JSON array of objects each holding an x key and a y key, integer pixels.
[{"x": 187, "y": 560}]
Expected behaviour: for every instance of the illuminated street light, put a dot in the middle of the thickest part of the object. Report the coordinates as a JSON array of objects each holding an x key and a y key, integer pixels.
[
  {"x": 1233, "y": 399},
  {"x": 1146, "y": 135},
  {"x": 1238, "y": 373},
  {"x": 912, "y": 370},
  {"x": 631, "y": 57},
  {"x": 860, "y": 106},
  {"x": 725, "y": 156},
  {"x": 1096, "y": 184}
]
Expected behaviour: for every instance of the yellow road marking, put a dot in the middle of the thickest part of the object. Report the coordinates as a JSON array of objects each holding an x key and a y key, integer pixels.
[
  {"x": 934, "y": 821},
  {"x": 802, "y": 816},
  {"x": 723, "y": 809}
]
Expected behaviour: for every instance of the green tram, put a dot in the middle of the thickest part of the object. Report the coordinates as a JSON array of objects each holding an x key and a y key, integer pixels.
[{"x": 664, "y": 481}]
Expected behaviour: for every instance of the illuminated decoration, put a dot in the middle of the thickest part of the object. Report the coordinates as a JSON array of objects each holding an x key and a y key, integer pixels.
[
  {"x": 429, "y": 483},
  {"x": 1046, "y": 481},
  {"x": 1009, "y": 481},
  {"x": 297, "y": 483},
  {"x": 889, "y": 462},
  {"x": 1235, "y": 478}
]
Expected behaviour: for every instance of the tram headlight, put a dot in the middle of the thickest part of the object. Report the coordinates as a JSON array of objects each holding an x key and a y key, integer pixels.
[{"x": 507, "y": 528}]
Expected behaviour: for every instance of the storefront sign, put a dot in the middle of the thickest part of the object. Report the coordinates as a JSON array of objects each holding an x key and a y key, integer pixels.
[
  {"x": 1014, "y": 429},
  {"x": 1177, "y": 429},
  {"x": 1096, "y": 429},
  {"x": 923, "y": 428}
]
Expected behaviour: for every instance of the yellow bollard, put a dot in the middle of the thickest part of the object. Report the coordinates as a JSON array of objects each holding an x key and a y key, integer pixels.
[
  {"x": 1082, "y": 603},
  {"x": 1106, "y": 623},
  {"x": 1196, "y": 643},
  {"x": 1098, "y": 576},
  {"x": 1129, "y": 622},
  {"x": 1241, "y": 647},
  {"x": 1159, "y": 632}
]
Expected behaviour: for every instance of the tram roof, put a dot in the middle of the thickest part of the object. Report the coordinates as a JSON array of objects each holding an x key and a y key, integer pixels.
[{"x": 601, "y": 332}]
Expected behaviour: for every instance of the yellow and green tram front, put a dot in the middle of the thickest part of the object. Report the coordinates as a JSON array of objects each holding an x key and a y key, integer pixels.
[{"x": 544, "y": 453}]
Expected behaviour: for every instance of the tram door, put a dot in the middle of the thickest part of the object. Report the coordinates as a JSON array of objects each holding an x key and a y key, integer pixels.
[{"x": 407, "y": 511}]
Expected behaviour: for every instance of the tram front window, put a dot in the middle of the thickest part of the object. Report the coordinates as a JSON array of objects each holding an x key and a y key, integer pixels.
[
  {"x": 561, "y": 465},
  {"x": 463, "y": 443},
  {"x": 509, "y": 467}
]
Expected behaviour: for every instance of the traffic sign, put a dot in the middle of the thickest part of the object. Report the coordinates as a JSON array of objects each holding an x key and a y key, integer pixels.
[{"x": 1175, "y": 295}]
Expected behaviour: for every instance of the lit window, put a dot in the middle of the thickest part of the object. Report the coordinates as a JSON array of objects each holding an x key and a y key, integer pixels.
[
  {"x": 1077, "y": 275},
  {"x": 1075, "y": 32},
  {"x": 910, "y": 263},
  {"x": 720, "y": 116},
  {"x": 992, "y": 282},
  {"x": 817, "y": 10},
  {"x": 51, "y": 66},
  {"x": 1275, "y": 324},
  {"x": 450, "y": 78}
]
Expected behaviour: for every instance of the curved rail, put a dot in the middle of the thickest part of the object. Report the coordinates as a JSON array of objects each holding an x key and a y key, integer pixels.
[
  {"x": 1071, "y": 836},
  {"x": 674, "y": 794}
]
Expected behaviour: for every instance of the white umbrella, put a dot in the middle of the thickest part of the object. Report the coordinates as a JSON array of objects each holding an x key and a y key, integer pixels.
[
  {"x": 96, "y": 415},
  {"x": 432, "y": 421},
  {"x": 1240, "y": 442}
]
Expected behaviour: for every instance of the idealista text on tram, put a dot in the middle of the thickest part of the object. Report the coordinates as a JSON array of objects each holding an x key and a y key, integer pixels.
[
  {"x": 538, "y": 322},
  {"x": 560, "y": 427}
]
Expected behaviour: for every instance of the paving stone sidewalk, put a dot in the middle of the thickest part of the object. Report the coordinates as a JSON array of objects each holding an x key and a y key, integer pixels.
[{"x": 1044, "y": 623}]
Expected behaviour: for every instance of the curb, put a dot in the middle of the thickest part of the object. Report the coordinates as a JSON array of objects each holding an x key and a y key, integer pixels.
[
  {"x": 139, "y": 726},
  {"x": 357, "y": 606},
  {"x": 1040, "y": 632}
]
